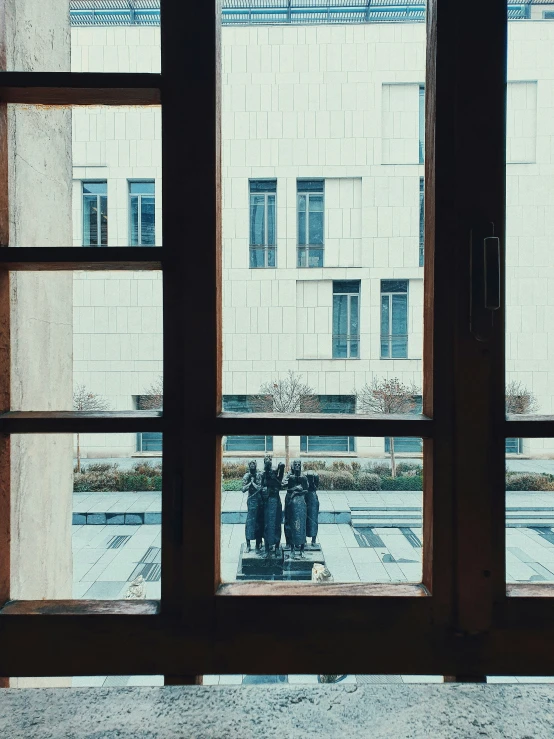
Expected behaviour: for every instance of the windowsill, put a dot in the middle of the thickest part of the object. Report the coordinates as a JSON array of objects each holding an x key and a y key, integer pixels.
[{"x": 147, "y": 454}]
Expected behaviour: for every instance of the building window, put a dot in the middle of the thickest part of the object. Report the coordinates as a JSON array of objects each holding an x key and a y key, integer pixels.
[
  {"x": 421, "y": 124},
  {"x": 247, "y": 404},
  {"x": 339, "y": 444},
  {"x": 408, "y": 444},
  {"x": 421, "y": 220},
  {"x": 514, "y": 446},
  {"x": 346, "y": 319},
  {"x": 142, "y": 226},
  {"x": 394, "y": 319},
  {"x": 263, "y": 239},
  {"x": 152, "y": 441},
  {"x": 310, "y": 222},
  {"x": 95, "y": 213}
]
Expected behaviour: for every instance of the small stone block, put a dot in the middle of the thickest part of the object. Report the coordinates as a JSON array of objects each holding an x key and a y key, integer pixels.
[
  {"x": 253, "y": 565},
  {"x": 96, "y": 519},
  {"x": 79, "y": 519},
  {"x": 115, "y": 519},
  {"x": 136, "y": 519},
  {"x": 305, "y": 563},
  {"x": 153, "y": 518}
]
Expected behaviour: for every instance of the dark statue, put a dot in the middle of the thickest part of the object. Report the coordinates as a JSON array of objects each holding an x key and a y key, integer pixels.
[
  {"x": 252, "y": 484},
  {"x": 312, "y": 505},
  {"x": 271, "y": 484},
  {"x": 296, "y": 508}
]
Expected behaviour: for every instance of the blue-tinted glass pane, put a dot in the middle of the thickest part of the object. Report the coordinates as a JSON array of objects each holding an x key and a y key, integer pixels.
[
  {"x": 257, "y": 257},
  {"x": 257, "y": 220},
  {"x": 421, "y": 125},
  {"x": 354, "y": 349},
  {"x": 421, "y": 220},
  {"x": 337, "y": 403},
  {"x": 96, "y": 188},
  {"x": 394, "y": 286},
  {"x": 271, "y": 251},
  {"x": 271, "y": 220},
  {"x": 104, "y": 220},
  {"x": 303, "y": 443},
  {"x": 399, "y": 347},
  {"x": 246, "y": 443},
  {"x": 340, "y": 314},
  {"x": 148, "y": 221},
  {"x": 310, "y": 185},
  {"x": 263, "y": 185},
  {"x": 151, "y": 442},
  {"x": 315, "y": 258},
  {"x": 354, "y": 315},
  {"x": 399, "y": 314},
  {"x": 302, "y": 257},
  {"x": 142, "y": 188},
  {"x": 351, "y": 444},
  {"x": 301, "y": 220},
  {"x": 328, "y": 444},
  {"x": 340, "y": 349},
  {"x": 316, "y": 220},
  {"x": 513, "y": 446},
  {"x": 385, "y": 317},
  {"x": 134, "y": 221},
  {"x": 404, "y": 444},
  {"x": 385, "y": 350},
  {"x": 346, "y": 286},
  {"x": 90, "y": 220}
]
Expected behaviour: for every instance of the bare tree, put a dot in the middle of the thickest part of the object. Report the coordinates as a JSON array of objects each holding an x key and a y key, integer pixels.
[
  {"x": 387, "y": 396},
  {"x": 153, "y": 397},
  {"x": 287, "y": 395},
  {"x": 85, "y": 400},
  {"x": 519, "y": 399}
]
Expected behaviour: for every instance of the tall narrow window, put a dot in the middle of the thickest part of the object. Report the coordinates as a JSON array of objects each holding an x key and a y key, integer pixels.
[
  {"x": 346, "y": 319},
  {"x": 421, "y": 124},
  {"x": 421, "y": 220},
  {"x": 310, "y": 222},
  {"x": 262, "y": 223},
  {"x": 394, "y": 319},
  {"x": 95, "y": 213},
  {"x": 142, "y": 213}
]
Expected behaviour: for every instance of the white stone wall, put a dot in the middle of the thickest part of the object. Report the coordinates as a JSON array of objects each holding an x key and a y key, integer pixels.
[{"x": 339, "y": 103}]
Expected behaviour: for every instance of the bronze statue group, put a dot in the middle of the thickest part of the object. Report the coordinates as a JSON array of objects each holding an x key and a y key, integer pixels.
[{"x": 265, "y": 512}]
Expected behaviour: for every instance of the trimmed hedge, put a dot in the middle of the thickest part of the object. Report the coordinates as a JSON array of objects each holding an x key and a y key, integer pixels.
[
  {"x": 529, "y": 481},
  {"x": 107, "y": 478},
  {"x": 414, "y": 482},
  {"x": 368, "y": 481},
  {"x": 232, "y": 485},
  {"x": 336, "y": 480}
]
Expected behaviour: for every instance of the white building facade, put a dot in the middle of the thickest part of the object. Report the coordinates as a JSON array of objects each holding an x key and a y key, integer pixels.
[{"x": 322, "y": 217}]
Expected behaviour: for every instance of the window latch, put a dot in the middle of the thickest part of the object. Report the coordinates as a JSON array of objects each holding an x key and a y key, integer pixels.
[{"x": 485, "y": 280}]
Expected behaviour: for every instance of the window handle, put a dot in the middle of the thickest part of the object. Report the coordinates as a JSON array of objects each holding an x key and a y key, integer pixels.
[
  {"x": 491, "y": 266},
  {"x": 485, "y": 280}
]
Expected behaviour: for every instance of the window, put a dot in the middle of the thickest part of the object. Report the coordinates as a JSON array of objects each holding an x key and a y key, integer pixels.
[
  {"x": 407, "y": 444},
  {"x": 394, "y": 319},
  {"x": 421, "y": 124},
  {"x": 149, "y": 442},
  {"x": 310, "y": 222},
  {"x": 514, "y": 446},
  {"x": 247, "y": 404},
  {"x": 326, "y": 444},
  {"x": 421, "y": 221},
  {"x": 346, "y": 319},
  {"x": 142, "y": 213},
  {"x": 263, "y": 238},
  {"x": 95, "y": 213}
]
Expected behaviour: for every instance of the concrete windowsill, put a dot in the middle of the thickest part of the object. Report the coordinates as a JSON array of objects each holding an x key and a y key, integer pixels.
[{"x": 214, "y": 712}]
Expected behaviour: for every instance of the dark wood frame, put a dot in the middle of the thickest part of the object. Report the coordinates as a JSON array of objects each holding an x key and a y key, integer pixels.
[{"x": 462, "y": 620}]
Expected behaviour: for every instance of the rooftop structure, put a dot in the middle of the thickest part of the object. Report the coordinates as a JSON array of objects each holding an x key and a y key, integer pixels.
[{"x": 276, "y": 12}]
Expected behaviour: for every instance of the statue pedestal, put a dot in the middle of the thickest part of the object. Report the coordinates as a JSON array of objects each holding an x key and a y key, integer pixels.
[
  {"x": 296, "y": 567},
  {"x": 255, "y": 566}
]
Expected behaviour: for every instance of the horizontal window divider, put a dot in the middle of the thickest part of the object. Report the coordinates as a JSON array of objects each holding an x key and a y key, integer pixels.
[
  {"x": 80, "y": 608},
  {"x": 333, "y": 590},
  {"x": 80, "y": 88},
  {"x": 84, "y": 422},
  {"x": 529, "y": 427},
  {"x": 323, "y": 424},
  {"x": 54, "y": 258}
]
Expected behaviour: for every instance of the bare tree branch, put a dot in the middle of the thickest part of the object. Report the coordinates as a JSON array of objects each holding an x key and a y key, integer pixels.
[
  {"x": 287, "y": 395},
  {"x": 387, "y": 396},
  {"x": 153, "y": 396},
  {"x": 85, "y": 400},
  {"x": 519, "y": 399}
]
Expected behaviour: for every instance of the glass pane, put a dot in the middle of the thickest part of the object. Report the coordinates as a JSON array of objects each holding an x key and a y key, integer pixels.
[
  {"x": 316, "y": 220},
  {"x": 301, "y": 220},
  {"x": 529, "y": 511},
  {"x": 271, "y": 252},
  {"x": 302, "y": 257},
  {"x": 529, "y": 215},
  {"x": 351, "y": 511},
  {"x": 271, "y": 220},
  {"x": 315, "y": 257},
  {"x": 88, "y": 341},
  {"x": 75, "y": 166},
  {"x": 399, "y": 314},
  {"x": 89, "y": 517},
  {"x": 134, "y": 221},
  {"x": 257, "y": 220},
  {"x": 257, "y": 257},
  {"x": 148, "y": 230}
]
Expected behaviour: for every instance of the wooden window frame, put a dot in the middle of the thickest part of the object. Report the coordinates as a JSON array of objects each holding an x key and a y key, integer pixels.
[{"x": 462, "y": 619}]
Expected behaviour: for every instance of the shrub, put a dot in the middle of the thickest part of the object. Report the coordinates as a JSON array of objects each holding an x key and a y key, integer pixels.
[
  {"x": 233, "y": 485},
  {"x": 95, "y": 482},
  {"x": 101, "y": 467},
  {"x": 336, "y": 480},
  {"x": 356, "y": 468},
  {"x": 406, "y": 469},
  {"x": 234, "y": 470},
  {"x": 368, "y": 481},
  {"x": 134, "y": 482},
  {"x": 157, "y": 482},
  {"x": 342, "y": 466},
  {"x": 315, "y": 465},
  {"x": 528, "y": 481},
  {"x": 414, "y": 482},
  {"x": 147, "y": 469},
  {"x": 381, "y": 469}
]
